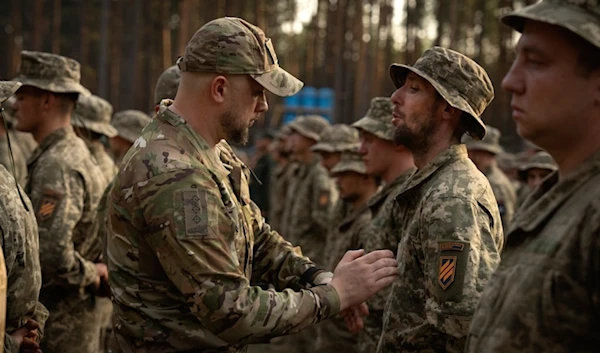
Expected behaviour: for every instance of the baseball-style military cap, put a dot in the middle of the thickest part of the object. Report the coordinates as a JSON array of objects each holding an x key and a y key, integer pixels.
[
  {"x": 167, "y": 84},
  {"x": 490, "y": 142},
  {"x": 50, "y": 72},
  {"x": 94, "y": 113},
  {"x": 337, "y": 138},
  {"x": 130, "y": 123},
  {"x": 230, "y": 45},
  {"x": 351, "y": 161},
  {"x": 581, "y": 17},
  {"x": 310, "y": 126},
  {"x": 462, "y": 82},
  {"x": 7, "y": 89},
  {"x": 540, "y": 160},
  {"x": 378, "y": 120}
]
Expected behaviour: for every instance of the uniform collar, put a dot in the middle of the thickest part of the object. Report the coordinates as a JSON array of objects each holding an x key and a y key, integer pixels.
[
  {"x": 447, "y": 156},
  {"x": 53, "y": 138},
  {"x": 388, "y": 188}
]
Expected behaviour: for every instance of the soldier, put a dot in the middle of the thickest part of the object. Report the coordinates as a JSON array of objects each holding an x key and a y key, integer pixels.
[
  {"x": 129, "y": 125},
  {"x": 186, "y": 241},
  {"x": 65, "y": 186},
  {"x": 355, "y": 187},
  {"x": 263, "y": 165},
  {"x": 280, "y": 177},
  {"x": 25, "y": 315},
  {"x": 450, "y": 227},
  {"x": 483, "y": 153},
  {"x": 394, "y": 165},
  {"x": 537, "y": 169},
  {"x": 544, "y": 297},
  {"x": 166, "y": 86}
]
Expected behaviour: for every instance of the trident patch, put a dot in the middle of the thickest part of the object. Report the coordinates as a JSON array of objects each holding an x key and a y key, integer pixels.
[{"x": 447, "y": 271}]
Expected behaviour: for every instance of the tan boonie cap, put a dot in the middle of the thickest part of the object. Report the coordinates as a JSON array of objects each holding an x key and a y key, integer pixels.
[
  {"x": 230, "y": 45},
  {"x": 50, "y": 72},
  {"x": 130, "y": 123},
  {"x": 459, "y": 80},
  {"x": 378, "y": 120},
  {"x": 167, "y": 84},
  {"x": 351, "y": 161},
  {"x": 338, "y": 138},
  {"x": 540, "y": 160},
  {"x": 581, "y": 17},
  {"x": 310, "y": 126},
  {"x": 94, "y": 113},
  {"x": 490, "y": 143},
  {"x": 7, "y": 89}
]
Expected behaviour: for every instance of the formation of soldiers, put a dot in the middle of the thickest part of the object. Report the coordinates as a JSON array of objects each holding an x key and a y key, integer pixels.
[{"x": 411, "y": 230}]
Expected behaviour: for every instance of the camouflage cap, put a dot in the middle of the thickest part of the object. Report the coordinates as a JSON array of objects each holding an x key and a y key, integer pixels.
[
  {"x": 459, "y": 80},
  {"x": 50, "y": 72},
  {"x": 230, "y": 45},
  {"x": 284, "y": 132},
  {"x": 540, "y": 160},
  {"x": 310, "y": 126},
  {"x": 507, "y": 160},
  {"x": 167, "y": 84},
  {"x": 378, "y": 120},
  {"x": 581, "y": 17},
  {"x": 337, "y": 138},
  {"x": 490, "y": 142},
  {"x": 351, "y": 161},
  {"x": 7, "y": 89},
  {"x": 130, "y": 123},
  {"x": 93, "y": 113}
]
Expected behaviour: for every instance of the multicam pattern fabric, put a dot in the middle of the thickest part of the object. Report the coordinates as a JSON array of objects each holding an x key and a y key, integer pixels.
[
  {"x": 231, "y": 45},
  {"x": 459, "y": 80},
  {"x": 94, "y": 113},
  {"x": 450, "y": 242},
  {"x": 185, "y": 244},
  {"x": 129, "y": 124},
  {"x": 544, "y": 295},
  {"x": 167, "y": 84},
  {"x": 378, "y": 120},
  {"x": 337, "y": 138},
  {"x": 64, "y": 185}
]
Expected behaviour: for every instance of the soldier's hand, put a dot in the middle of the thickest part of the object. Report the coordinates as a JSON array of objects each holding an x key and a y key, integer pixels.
[
  {"x": 26, "y": 336},
  {"x": 357, "y": 276},
  {"x": 353, "y": 317},
  {"x": 101, "y": 287}
]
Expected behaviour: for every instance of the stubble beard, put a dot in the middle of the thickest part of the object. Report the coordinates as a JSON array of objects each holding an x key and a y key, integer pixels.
[
  {"x": 234, "y": 130},
  {"x": 418, "y": 140}
]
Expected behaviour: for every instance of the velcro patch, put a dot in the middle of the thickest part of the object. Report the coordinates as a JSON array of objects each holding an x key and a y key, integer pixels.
[
  {"x": 324, "y": 198},
  {"x": 47, "y": 207},
  {"x": 452, "y": 246},
  {"x": 451, "y": 267},
  {"x": 195, "y": 209}
]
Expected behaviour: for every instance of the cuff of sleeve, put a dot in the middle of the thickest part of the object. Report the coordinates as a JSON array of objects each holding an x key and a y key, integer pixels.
[
  {"x": 10, "y": 344},
  {"x": 322, "y": 277},
  {"x": 329, "y": 301},
  {"x": 89, "y": 273}
]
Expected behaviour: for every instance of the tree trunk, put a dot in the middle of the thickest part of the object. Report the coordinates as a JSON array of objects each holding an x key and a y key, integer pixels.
[
  {"x": 166, "y": 36},
  {"x": 103, "y": 61},
  {"x": 15, "y": 39},
  {"x": 38, "y": 24},
  {"x": 56, "y": 21},
  {"x": 184, "y": 25}
]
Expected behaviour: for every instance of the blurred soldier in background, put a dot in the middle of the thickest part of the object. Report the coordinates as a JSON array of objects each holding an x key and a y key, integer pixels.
[
  {"x": 166, "y": 85},
  {"x": 129, "y": 125},
  {"x": 280, "y": 178},
  {"x": 262, "y": 166},
  {"x": 537, "y": 169}
]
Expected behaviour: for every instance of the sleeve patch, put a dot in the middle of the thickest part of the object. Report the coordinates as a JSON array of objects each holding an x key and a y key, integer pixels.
[
  {"x": 197, "y": 215},
  {"x": 324, "y": 199},
  {"x": 452, "y": 265},
  {"x": 447, "y": 271},
  {"x": 50, "y": 200}
]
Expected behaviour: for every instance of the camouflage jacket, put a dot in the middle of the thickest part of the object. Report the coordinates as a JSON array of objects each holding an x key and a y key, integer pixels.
[
  {"x": 451, "y": 236},
  {"x": 545, "y": 295},
  {"x": 308, "y": 206},
  {"x": 504, "y": 192},
  {"x": 381, "y": 233},
  {"x": 346, "y": 235},
  {"x": 106, "y": 164},
  {"x": 184, "y": 243},
  {"x": 65, "y": 186},
  {"x": 18, "y": 155},
  {"x": 21, "y": 253}
]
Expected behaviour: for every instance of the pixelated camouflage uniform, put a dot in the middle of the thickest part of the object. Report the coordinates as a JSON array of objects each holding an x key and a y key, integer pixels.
[
  {"x": 451, "y": 230},
  {"x": 19, "y": 157}
]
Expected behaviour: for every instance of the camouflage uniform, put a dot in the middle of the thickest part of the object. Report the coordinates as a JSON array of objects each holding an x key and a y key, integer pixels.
[
  {"x": 545, "y": 295},
  {"x": 280, "y": 181},
  {"x": 502, "y": 187},
  {"x": 21, "y": 252},
  {"x": 382, "y": 232},
  {"x": 64, "y": 185},
  {"x": 451, "y": 231},
  {"x": 167, "y": 84},
  {"x": 129, "y": 124},
  {"x": 3, "y": 282},
  {"x": 186, "y": 241},
  {"x": 18, "y": 155}
]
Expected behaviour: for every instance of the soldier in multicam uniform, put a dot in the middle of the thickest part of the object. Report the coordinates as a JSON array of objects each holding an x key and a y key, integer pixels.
[
  {"x": 545, "y": 295},
  {"x": 20, "y": 248},
  {"x": 394, "y": 165},
  {"x": 537, "y": 169},
  {"x": 129, "y": 125},
  {"x": 355, "y": 187},
  {"x": 64, "y": 186},
  {"x": 450, "y": 227},
  {"x": 185, "y": 239},
  {"x": 483, "y": 153}
]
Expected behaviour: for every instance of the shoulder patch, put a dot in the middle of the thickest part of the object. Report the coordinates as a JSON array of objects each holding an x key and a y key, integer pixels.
[
  {"x": 447, "y": 271},
  {"x": 46, "y": 208},
  {"x": 324, "y": 198},
  {"x": 451, "y": 268},
  {"x": 195, "y": 209}
]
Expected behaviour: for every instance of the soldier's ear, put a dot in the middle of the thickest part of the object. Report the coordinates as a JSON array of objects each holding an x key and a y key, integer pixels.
[{"x": 219, "y": 89}]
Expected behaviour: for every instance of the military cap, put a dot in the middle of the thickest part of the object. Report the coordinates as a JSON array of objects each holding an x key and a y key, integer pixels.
[
  {"x": 230, "y": 45},
  {"x": 507, "y": 160},
  {"x": 378, "y": 120},
  {"x": 167, "y": 84},
  {"x": 490, "y": 143},
  {"x": 337, "y": 138},
  {"x": 310, "y": 126},
  {"x": 7, "y": 89},
  {"x": 351, "y": 161},
  {"x": 50, "y": 72},
  {"x": 540, "y": 160},
  {"x": 581, "y": 17},
  {"x": 130, "y": 123},
  {"x": 94, "y": 113},
  {"x": 459, "y": 80},
  {"x": 284, "y": 131}
]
